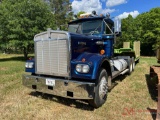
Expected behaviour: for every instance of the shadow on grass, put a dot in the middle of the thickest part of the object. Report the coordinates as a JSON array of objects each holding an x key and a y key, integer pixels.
[
  {"x": 116, "y": 80},
  {"x": 152, "y": 87},
  {"x": 17, "y": 58},
  {"x": 80, "y": 104}
]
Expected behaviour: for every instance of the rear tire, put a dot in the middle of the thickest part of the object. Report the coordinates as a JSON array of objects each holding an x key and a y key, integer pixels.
[
  {"x": 101, "y": 90},
  {"x": 133, "y": 63},
  {"x": 130, "y": 67}
]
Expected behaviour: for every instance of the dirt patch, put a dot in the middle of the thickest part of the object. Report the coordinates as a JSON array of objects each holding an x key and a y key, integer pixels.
[{"x": 3, "y": 68}]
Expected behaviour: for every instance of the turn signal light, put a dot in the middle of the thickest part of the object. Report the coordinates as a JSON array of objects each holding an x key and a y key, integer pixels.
[
  {"x": 102, "y": 52},
  {"x": 83, "y": 60}
]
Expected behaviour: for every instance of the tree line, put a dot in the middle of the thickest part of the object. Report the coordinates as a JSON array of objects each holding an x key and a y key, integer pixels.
[
  {"x": 20, "y": 20},
  {"x": 144, "y": 28}
]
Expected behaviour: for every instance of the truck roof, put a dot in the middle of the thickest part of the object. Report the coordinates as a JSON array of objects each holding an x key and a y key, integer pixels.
[{"x": 92, "y": 18}]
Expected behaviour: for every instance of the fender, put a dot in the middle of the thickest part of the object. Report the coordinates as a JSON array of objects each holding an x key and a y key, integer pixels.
[{"x": 94, "y": 60}]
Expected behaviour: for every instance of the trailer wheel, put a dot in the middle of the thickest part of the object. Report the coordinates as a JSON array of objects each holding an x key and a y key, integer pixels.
[
  {"x": 101, "y": 90},
  {"x": 130, "y": 67},
  {"x": 133, "y": 63}
]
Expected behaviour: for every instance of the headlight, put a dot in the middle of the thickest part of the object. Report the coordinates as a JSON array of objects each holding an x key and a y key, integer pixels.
[
  {"x": 82, "y": 68},
  {"x": 29, "y": 64},
  {"x": 78, "y": 68},
  {"x": 85, "y": 69}
]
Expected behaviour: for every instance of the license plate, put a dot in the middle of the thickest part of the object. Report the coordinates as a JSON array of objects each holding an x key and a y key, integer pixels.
[{"x": 50, "y": 82}]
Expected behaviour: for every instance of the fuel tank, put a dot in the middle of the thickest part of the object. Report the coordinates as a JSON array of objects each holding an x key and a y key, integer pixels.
[{"x": 120, "y": 64}]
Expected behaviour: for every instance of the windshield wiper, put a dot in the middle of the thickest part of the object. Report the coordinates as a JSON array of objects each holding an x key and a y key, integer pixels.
[
  {"x": 96, "y": 29},
  {"x": 77, "y": 28}
]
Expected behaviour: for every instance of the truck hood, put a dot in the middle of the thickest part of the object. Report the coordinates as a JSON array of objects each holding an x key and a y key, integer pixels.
[{"x": 83, "y": 43}]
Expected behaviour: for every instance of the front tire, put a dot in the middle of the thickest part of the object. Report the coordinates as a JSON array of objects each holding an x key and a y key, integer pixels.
[{"x": 101, "y": 90}]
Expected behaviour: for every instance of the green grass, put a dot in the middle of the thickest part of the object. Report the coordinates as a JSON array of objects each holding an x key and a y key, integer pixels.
[{"x": 128, "y": 100}]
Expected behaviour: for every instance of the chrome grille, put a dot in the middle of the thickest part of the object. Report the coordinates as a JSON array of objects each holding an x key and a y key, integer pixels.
[{"x": 52, "y": 53}]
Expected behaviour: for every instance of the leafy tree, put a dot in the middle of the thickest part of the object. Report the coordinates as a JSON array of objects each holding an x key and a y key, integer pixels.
[
  {"x": 128, "y": 31},
  {"x": 150, "y": 30},
  {"x": 144, "y": 28},
  {"x": 61, "y": 10},
  {"x": 21, "y": 20}
]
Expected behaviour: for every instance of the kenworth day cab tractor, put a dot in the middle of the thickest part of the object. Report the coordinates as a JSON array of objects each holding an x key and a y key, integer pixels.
[{"x": 79, "y": 63}]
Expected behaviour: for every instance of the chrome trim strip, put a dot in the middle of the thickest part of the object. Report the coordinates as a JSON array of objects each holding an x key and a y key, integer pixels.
[
  {"x": 69, "y": 55},
  {"x": 52, "y": 39}
]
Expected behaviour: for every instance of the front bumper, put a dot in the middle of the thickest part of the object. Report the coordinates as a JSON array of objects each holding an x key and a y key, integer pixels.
[{"x": 65, "y": 88}]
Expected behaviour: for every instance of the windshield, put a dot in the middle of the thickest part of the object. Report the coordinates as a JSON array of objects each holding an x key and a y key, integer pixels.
[
  {"x": 91, "y": 27},
  {"x": 87, "y": 27},
  {"x": 75, "y": 28}
]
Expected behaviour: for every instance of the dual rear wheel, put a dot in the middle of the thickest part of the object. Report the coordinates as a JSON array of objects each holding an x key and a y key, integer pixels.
[{"x": 131, "y": 66}]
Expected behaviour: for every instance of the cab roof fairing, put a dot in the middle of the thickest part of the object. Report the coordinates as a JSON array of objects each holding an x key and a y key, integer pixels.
[{"x": 108, "y": 20}]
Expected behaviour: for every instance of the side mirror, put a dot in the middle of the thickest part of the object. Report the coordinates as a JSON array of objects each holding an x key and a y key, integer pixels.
[{"x": 117, "y": 27}]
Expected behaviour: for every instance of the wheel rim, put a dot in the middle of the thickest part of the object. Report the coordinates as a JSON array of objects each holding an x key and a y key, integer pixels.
[{"x": 103, "y": 88}]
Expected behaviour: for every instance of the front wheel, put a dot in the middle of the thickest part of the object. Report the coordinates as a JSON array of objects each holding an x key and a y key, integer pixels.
[{"x": 101, "y": 90}]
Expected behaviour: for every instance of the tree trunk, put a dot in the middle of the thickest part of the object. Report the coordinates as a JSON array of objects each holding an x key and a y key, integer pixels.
[{"x": 25, "y": 53}]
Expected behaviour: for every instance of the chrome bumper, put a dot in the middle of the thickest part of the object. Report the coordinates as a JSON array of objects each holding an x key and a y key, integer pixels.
[{"x": 65, "y": 88}]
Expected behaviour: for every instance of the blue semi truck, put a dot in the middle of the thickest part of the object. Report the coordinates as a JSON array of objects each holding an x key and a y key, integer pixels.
[{"x": 79, "y": 63}]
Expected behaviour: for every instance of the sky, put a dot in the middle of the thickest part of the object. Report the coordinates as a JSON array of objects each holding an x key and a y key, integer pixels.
[{"x": 116, "y": 8}]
